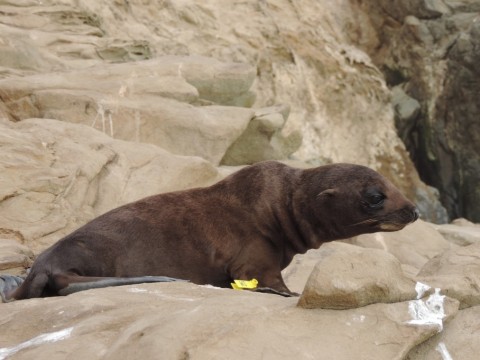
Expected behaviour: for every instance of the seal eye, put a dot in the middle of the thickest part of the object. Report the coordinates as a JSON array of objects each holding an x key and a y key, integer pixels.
[{"x": 376, "y": 200}]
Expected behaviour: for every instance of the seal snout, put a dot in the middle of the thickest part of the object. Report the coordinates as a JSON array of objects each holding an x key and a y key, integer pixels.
[
  {"x": 416, "y": 214},
  {"x": 410, "y": 214}
]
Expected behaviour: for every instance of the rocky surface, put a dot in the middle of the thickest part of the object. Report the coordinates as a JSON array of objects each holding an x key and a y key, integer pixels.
[
  {"x": 339, "y": 102},
  {"x": 464, "y": 234},
  {"x": 105, "y": 103},
  {"x": 457, "y": 273},
  {"x": 174, "y": 321},
  {"x": 143, "y": 102},
  {"x": 14, "y": 257},
  {"x": 56, "y": 176},
  {"x": 414, "y": 246},
  {"x": 459, "y": 340},
  {"x": 429, "y": 51},
  {"x": 202, "y": 322}
]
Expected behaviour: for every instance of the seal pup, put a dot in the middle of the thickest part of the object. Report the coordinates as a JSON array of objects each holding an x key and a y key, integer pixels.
[{"x": 249, "y": 225}]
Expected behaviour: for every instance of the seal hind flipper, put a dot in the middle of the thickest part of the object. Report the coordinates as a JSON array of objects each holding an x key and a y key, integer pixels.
[
  {"x": 65, "y": 284},
  {"x": 80, "y": 283}
]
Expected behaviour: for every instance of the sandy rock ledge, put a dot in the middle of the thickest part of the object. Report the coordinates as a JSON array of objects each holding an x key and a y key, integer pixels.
[{"x": 172, "y": 321}]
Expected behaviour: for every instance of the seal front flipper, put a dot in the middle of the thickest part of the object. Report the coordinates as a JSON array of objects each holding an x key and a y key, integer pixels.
[{"x": 269, "y": 280}]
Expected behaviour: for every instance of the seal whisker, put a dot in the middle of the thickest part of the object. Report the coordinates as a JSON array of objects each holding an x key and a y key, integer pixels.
[{"x": 365, "y": 222}]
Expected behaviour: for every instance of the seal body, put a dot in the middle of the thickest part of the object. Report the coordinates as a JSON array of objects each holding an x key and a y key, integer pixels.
[{"x": 249, "y": 225}]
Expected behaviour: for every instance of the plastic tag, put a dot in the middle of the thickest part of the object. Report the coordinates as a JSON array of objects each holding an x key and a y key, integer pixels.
[{"x": 244, "y": 284}]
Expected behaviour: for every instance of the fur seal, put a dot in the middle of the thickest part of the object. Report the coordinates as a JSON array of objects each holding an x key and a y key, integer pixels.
[{"x": 249, "y": 225}]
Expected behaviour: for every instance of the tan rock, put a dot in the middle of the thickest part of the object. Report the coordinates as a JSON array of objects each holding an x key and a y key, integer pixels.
[
  {"x": 413, "y": 246},
  {"x": 461, "y": 235},
  {"x": 464, "y": 222},
  {"x": 179, "y": 320},
  {"x": 263, "y": 139},
  {"x": 349, "y": 276},
  {"x": 457, "y": 273},
  {"x": 55, "y": 176},
  {"x": 297, "y": 273},
  {"x": 298, "y": 54},
  {"x": 137, "y": 102},
  {"x": 14, "y": 257}
]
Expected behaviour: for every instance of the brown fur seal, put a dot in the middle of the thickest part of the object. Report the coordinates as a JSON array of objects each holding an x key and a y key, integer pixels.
[{"x": 249, "y": 225}]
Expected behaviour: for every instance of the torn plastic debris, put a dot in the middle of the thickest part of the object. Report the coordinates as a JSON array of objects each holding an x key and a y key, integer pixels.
[
  {"x": 442, "y": 349},
  {"x": 429, "y": 312},
  {"x": 41, "y": 339},
  {"x": 421, "y": 289}
]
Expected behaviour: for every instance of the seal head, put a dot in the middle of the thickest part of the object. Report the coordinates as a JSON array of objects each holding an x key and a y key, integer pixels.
[{"x": 356, "y": 199}]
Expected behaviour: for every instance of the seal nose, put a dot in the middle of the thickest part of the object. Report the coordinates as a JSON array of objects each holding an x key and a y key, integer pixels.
[{"x": 416, "y": 214}]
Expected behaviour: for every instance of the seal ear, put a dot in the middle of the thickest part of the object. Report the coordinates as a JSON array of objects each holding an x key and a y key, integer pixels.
[{"x": 328, "y": 192}]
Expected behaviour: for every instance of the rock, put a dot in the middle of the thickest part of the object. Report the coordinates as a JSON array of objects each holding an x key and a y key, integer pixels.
[
  {"x": 349, "y": 276},
  {"x": 425, "y": 9},
  {"x": 457, "y": 273},
  {"x": 463, "y": 235},
  {"x": 221, "y": 83},
  {"x": 128, "y": 102},
  {"x": 298, "y": 271},
  {"x": 124, "y": 51},
  {"x": 406, "y": 107},
  {"x": 263, "y": 140},
  {"x": 176, "y": 320},
  {"x": 459, "y": 339},
  {"x": 430, "y": 50},
  {"x": 209, "y": 79},
  {"x": 427, "y": 199},
  {"x": 464, "y": 222},
  {"x": 279, "y": 53},
  {"x": 406, "y": 111},
  {"x": 415, "y": 245},
  {"x": 56, "y": 176},
  {"x": 14, "y": 257},
  {"x": 463, "y": 58}
]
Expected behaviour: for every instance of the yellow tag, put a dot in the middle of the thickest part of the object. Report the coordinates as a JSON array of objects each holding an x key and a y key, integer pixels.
[{"x": 244, "y": 284}]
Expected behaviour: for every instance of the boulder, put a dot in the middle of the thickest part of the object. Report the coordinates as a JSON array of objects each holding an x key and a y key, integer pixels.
[
  {"x": 464, "y": 222},
  {"x": 263, "y": 139},
  {"x": 142, "y": 102},
  {"x": 457, "y": 273},
  {"x": 182, "y": 320},
  {"x": 348, "y": 276},
  {"x": 414, "y": 245},
  {"x": 461, "y": 235},
  {"x": 14, "y": 257},
  {"x": 296, "y": 274},
  {"x": 56, "y": 176}
]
